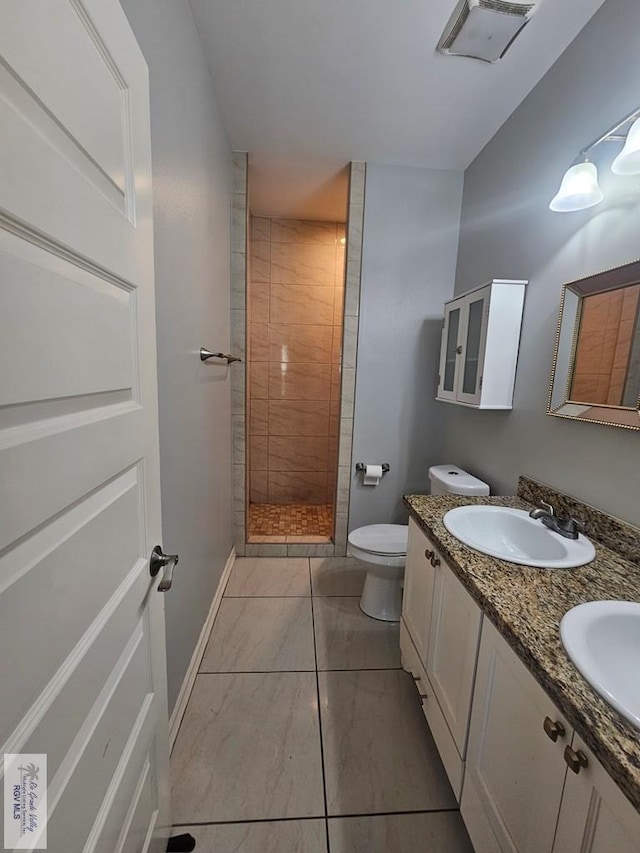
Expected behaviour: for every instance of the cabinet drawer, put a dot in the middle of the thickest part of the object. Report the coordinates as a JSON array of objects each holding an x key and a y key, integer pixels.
[{"x": 445, "y": 744}]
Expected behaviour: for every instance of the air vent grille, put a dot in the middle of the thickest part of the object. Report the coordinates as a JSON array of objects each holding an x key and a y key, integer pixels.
[{"x": 484, "y": 29}]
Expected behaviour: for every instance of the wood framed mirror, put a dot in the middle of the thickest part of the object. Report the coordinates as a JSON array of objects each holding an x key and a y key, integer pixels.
[{"x": 596, "y": 363}]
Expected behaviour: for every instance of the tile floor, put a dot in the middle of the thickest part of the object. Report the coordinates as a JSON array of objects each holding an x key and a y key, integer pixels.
[
  {"x": 292, "y": 523},
  {"x": 303, "y": 734}
]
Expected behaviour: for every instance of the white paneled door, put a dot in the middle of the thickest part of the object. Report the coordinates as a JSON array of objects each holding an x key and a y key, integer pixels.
[{"x": 82, "y": 669}]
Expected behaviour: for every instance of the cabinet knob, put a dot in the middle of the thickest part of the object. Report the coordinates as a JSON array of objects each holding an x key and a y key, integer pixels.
[
  {"x": 459, "y": 349},
  {"x": 435, "y": 561},
  {"x": 553, "y": 728},
  {"x": 429, "y": 554},
  {"x": 575, "y": 759}
]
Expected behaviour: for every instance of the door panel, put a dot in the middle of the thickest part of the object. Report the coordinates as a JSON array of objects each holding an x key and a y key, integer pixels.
[
  {"x": 449, "y": 353},
  {"x": 453, "y": 651},
  {"x": 418, "y": 590},
  {"x": 595, "y": 816},
  {"x": 514, "y": 772},
  {"x": 81, "y": 622}
]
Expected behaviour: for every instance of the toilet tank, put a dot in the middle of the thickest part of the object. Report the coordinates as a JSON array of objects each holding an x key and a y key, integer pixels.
[{"x": 451, "y": 480}]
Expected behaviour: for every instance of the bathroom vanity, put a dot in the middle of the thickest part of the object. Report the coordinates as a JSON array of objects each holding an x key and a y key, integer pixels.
[{"x": 538, "y": 761}]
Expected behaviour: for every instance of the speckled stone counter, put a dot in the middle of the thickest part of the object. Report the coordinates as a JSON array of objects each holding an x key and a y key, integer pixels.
[{"x": 526, "y": 605}]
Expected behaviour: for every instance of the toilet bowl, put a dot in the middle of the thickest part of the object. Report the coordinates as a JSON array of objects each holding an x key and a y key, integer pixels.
[{"x": 382, "y": 550}]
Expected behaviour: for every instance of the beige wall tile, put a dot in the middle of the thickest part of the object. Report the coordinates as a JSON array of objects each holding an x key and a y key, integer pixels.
[
  {"x": 292, "y": 488},
  {"x": 336, "y": 349},
  {"x": 260, "y": 261},
  {"x": 299, "y": 417},
  {"x": 259, "y": 380},
  {"x": 259, "y": 302},
  {"x": 300, "y": 304},
  {"x": 303, "y": 231},
  {"x": 259, "y": 456},
  {"x": 297, "y": 453},
  {"x": 338, "y": 305},
  {"x": 260, "y": 228},
  {"x": 308, "y": 343},
  {"x": 259, "y": 417},
  {"x": 626, "y": 332},
  {"x": 259, "y": 342},
  {"x": 293, "y": 263},
  {"x": 299, "y": 381},
  {"x": 340, "y": 265},
  {"x": 258, "y": 493}
]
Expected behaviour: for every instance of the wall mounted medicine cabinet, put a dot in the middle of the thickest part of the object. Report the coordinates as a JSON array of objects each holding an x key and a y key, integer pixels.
[{"x": 479, "y": 350}]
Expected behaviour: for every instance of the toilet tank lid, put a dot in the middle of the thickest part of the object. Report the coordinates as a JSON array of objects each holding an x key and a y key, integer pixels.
[{"x": 456, "y": 481}]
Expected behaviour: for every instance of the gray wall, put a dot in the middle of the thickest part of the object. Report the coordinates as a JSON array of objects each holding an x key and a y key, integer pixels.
[
  {"x": 191, "y": 189},
  {"x": 411, "y": 221},
  {"x": 508, "y": 232}
]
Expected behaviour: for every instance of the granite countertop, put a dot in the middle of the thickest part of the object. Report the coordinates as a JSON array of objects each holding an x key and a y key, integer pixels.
[{"x": 526, "y": 605}]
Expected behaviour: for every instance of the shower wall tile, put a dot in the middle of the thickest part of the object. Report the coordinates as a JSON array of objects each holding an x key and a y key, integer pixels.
[
  {"x": 260, "y": 254},
  {"x": 259, "y": 417},
  {"x": 260, "y": 229},
  {"x": 258, "y": 452},
  {"x": 296, "y": 306},
  {"x": 303, "y": 231},
  {"x": 295, "y": 263},
  {"x": 259, "y": 336},
  {"x": 305, "y": 343},
  {"x": 259, "y": 302},
  {"x": 297, "y": 453},
  {"x": 259, "y": 380},
  {"x": 299, "y": 417},
  {"x": 310, "y": 487},
  {"x": 293, "y": 381},
  {"x": 301, "y": 303},
  {"x": 258, "y": 488}
]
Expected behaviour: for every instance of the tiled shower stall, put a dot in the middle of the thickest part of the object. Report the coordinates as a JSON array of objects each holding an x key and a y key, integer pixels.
[{"x": 295, "y": 305}]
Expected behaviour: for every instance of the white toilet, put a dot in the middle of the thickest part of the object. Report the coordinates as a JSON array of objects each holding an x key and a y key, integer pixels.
[{"x": 382, "y": 548}]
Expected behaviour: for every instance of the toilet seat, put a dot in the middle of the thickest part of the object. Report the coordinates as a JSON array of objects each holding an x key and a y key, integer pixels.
[{"x": 382, "y": 539}]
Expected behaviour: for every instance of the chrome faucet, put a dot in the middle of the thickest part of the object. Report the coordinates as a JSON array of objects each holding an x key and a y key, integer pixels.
[{"x": 565, "y": 525}]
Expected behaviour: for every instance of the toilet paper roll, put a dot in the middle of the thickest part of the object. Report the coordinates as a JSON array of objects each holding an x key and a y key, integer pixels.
[{"x": 372, "y": 475}]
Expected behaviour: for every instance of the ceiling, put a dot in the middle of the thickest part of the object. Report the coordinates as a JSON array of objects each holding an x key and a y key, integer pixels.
[{"x": 320, "y": 82}]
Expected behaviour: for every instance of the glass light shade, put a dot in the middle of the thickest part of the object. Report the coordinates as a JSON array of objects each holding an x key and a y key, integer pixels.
[
  {"x": 578, "y": 190},
  {"x": 628, "y": 160}
]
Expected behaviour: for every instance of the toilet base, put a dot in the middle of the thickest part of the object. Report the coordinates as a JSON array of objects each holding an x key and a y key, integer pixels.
[{"x": 382, "y": 597}]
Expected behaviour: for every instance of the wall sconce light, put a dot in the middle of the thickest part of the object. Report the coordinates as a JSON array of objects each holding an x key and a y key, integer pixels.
[{"x": 579, "y": 188}]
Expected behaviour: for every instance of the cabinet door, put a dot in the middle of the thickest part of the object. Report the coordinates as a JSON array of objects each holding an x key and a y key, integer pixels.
[
  {"x": 474, "y": 316},
  {"x": 595, "y": 816},
  {"x": 418, "y": 589},
  {"x": 453, "y": 651},
  {"x": 515, "y": 771},
  {"x": 450, "y": 349}
]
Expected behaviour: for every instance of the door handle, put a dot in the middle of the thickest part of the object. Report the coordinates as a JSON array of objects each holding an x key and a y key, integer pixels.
[{"x": 159, "y": 560}]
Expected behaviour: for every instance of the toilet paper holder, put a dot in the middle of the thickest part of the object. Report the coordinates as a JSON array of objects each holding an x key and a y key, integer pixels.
[{"x": 361, "y": 466}]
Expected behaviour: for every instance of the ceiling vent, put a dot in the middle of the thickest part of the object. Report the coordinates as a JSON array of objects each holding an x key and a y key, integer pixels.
[{"x": 484, "y": 29}]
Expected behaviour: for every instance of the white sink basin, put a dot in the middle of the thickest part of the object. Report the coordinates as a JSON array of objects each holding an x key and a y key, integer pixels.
[
  {"x": 602, "y": 638},
  {"x": 510, "y": 534}
]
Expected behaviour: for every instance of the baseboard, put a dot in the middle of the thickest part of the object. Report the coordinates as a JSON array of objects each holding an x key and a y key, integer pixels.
[{"x": 187, "y": 685}]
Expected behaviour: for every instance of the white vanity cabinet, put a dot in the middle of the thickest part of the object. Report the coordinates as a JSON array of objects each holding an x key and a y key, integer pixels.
[
  {"x": 519, "y": 794},
  {"x": 439, "y": 636},
  {"x": 595, "y": 816},
  {"x": 479, "y": 349},
  {"x": 515, "y": 771}
]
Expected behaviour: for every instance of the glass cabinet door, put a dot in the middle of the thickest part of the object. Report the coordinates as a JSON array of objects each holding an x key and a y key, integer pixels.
[
  {"x": 449, "y": 353},
  {"x": 474, "y": 335}
]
